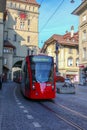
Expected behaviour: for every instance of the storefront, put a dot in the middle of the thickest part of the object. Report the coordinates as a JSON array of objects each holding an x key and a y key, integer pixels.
[
  {"x": 82, "y": 74},
  {"x": 85, "y": 75},
  {"x": 74, "y": 76}
]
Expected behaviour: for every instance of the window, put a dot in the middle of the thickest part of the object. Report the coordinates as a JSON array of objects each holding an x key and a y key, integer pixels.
[
  {"x": 28, "y": 39},
  {"x": 5, "y": 61},
  {"x": 70, "y": 50},
  {"x": 70, "y": 61},
  {"x": 6, "y": 50},
  {"x": 26, "y": 76},
  {"x": 14, "y": 51},
  {"x": 77, "y": 61},
  {"x": 73, "y": 40},
  {"x": 84, "y": 52},
  {"x": 14, "y": 5},
  {"x": 19, "y": 6},
  {"x": 25, "y": 7},
  {"x": 84, "y": 35},
  {"x": 29, "y": 8},
  {"x": 28, "y": 21},
  {"x": 33, "y": 9},
  {"x": 22, "y": 24},
  {"x": 15, "y": 38},
  {"x": 11, "y": 4},
  {"x": 6, "y": 36},
  {"x": 15, "y": 19},
  {"x": 77, "y": 51},
  {"x": 84, "y": 18}
]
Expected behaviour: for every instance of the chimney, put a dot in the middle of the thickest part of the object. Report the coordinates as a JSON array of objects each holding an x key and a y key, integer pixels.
[
  {"x": 72, "y": 31},
  {"x": 66, "y": 31}
]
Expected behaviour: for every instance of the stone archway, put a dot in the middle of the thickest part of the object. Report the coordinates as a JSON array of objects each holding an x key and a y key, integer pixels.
[{"x": 17, "y": 66}]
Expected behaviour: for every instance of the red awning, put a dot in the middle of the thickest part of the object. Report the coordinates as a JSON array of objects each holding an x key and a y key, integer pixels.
[{"x": 81, "y": 66}]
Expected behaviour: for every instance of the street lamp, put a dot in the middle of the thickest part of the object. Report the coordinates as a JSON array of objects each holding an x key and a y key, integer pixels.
[{"x": 57, "y": 51}]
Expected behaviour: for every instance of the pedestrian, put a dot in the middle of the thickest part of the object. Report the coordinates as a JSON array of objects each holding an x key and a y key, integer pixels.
[{"x": 0, "y": 81}]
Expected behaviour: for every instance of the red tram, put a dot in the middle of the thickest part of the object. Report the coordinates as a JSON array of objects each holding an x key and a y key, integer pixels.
[{"x": 38, "y": 77}]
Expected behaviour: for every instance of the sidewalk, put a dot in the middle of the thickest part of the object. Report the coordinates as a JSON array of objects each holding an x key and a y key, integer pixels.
[
  {"x": 1, "y": 98},
  {"x": 4, "y": 84}
]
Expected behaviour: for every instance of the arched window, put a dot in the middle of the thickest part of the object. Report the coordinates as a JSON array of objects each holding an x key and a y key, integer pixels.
[{"x": 70, "y": 61}]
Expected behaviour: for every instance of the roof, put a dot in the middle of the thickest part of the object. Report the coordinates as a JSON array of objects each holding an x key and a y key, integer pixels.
[
  {"x": 27, "y": 1},
  {"x": 5, "y": 67},
  {"x": 80, "y": 8},
  {"x": 8, "y": 44},
  {"x": 65, "y": 40}
]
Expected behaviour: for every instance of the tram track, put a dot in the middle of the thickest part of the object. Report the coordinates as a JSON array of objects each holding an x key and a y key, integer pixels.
[
  {"x": 70, "y": 110},
  {"x": 61, "y": 117}
]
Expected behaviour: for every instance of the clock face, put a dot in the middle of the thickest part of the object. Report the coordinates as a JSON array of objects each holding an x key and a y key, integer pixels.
[{"x": 23, "y": 15}]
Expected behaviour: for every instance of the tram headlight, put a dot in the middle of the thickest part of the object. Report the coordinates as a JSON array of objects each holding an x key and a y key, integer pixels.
[
  {"x": 52, "y": 87},
  {"x": 33, "y": 87}
]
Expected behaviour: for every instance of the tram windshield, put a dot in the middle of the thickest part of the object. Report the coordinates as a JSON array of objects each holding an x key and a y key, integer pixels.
[
  {"x": 42, "y": 68},
  {"x": 42, "y": 72}
]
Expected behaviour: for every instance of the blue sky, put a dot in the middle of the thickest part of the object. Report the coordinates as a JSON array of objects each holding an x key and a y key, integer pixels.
[{"x": 59, "y": 17}]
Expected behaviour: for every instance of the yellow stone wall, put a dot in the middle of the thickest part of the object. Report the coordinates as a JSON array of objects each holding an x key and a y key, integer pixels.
[{"x": 13, "y": 26}]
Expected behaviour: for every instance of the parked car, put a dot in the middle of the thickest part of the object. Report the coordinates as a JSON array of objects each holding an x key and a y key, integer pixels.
[
  {"x": 67, "y": 80},
  {"x": 68, "y": 83}
]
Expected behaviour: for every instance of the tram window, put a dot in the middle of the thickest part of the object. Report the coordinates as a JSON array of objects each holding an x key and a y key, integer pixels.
[{"x": 51, "y": 74}]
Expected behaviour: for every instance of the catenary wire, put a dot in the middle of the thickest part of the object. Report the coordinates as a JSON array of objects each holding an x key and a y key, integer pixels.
[
  {"x": 50, "y": 18},
  {"x": 52, "y": 15},
  {"x": 41, "y": 2}
]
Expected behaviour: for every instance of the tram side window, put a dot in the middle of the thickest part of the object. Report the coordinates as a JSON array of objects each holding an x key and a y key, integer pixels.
[
  {"x": 26, "y": 76},
  {"x": 51, "y": 74}
]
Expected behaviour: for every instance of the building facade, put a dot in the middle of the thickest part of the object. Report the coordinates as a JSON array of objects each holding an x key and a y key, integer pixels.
[
  {"x": 64, "y": 49},
  {"x": 8, "y": 50},
  {"x": 81, "y": 11},
  {"x": 2, "y": 9},
  {"x": 21, "y": 29}
]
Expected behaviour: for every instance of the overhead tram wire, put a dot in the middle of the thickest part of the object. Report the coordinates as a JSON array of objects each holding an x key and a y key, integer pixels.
[
  {"x": 41, "y": 2},
  {"x": 52, "y": 15}
]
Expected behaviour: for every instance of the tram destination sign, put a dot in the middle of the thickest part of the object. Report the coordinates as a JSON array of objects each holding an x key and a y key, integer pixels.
[{"x": 41, "y": 59}]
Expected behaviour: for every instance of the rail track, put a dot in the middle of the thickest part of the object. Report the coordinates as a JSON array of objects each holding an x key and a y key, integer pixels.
[
  {"x": 47, "y": 105},
  {"x": 63, "y": 118}
]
